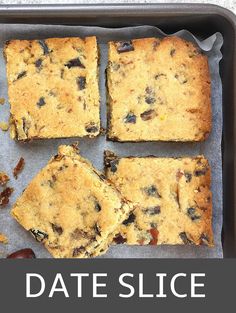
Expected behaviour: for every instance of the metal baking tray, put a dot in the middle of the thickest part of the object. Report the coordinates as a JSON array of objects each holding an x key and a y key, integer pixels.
[{"x": 202, "y": 21}]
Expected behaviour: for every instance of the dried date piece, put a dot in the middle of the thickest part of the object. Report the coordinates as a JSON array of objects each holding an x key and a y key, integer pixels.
[
  {"x": 185, "y": 239},
  {"x": 192, "y": 214},
  {"x": 154, "y": 233},
  {"x": 38, "y": 234},
  {"x": 81, "y": 82},
  {"x": 77, "y": 251},
  {"x": 148, "y": 115},
  {"x": 22, "y": 254},
  {"x": 41, "y": 102},
  {"x": 152, "y": 191},
  {"x": 44, "y": 46},
  {"x": 91, "y": 128},
  {"x": 188, "y": 177},
  {"x": 5, "y": 195},
  {"x": 124, "y": 46},
  {"x": 119, "y": 239},
  {"x": 38, "y": 63},
  {"x": 19, "y": 167},
  {"x": 130, "y": 118},
  {"x": 111, "y": 160},
  {"x": 57, "y": 229},
  {"x": 74, "y": 63},
  {"x": 4, "y": 178},
  {"x": 21, "y": 75},
  {"x": 129, "y": 220}
]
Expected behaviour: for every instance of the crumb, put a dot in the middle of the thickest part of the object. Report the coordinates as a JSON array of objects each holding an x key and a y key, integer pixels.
[
  {"x": 19, "y": 167},
  {"x": 4, "y": 126},
  {"x": 3, "y": 178},
  {"x": 5, "y": 195},
  {"x": 3, "y": 239},
  {"x": 2, "y": 101}
]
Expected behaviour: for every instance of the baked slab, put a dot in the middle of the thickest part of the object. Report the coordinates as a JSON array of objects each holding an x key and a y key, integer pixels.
[
  {"x": 53, "y": 87},
  {"x": 70, "y": 207},
  {"x": 173, "y": 197},
  {"x": 158, "y": 90}
]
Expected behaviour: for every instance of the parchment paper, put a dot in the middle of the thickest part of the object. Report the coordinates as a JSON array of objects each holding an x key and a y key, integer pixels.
[{"x": 37, "y": 153}]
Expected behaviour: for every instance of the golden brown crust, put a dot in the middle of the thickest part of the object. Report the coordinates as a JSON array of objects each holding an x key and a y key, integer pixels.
[
  {"x": 70, "y": 207},
  {"x": 158, "y": 90},
  {"x": 53, "y": 87},
  {"x": 173, "y": 198}
]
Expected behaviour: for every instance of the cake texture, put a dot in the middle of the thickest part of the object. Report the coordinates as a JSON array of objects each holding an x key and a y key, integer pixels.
[
  {"x": 173, "y": 198},
  {"x": 70, "y": 207},
  {"x": 158, "y": 90},
  {"x": 53, "y": 88}
]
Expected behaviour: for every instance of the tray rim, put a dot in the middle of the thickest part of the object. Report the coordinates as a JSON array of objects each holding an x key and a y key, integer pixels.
[{"x": 23, "y": 12}]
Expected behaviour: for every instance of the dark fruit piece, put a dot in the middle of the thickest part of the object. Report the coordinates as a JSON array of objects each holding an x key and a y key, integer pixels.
[
  {"x": 22, "y": 74},
  {"x": 44, "y": 47},
  {"x": 22, "y": 254},
  {"x": 152, "y": 210},
  {"x": 130, "y": 118},
  {"x": 97, "y": 207},
  {"x": 129, "y": 220},
  {"x": 57, "y": 229},
  {"x": 78, "y": 250},
  {"x": 41, "y": 102},
  {"x": 38, "y": 234},
  {"x": 204, "y": 239},
  {"x": 81, "y": 82},
  {"x": 91, "y": 128},
  {"x": 152, "y": 191},
  {"x": 185, "y": 239},
  {"x": 148, "y": 115},
  {"x": 124, "y": 46},
  {"x": 5, "y": 195},
  {"x": 74, "y": 63},
  {"x": 150, "y": 100},
  {"x": 192, "y": 214},
  {"x": 119, "y": 239},
  {"x": 188, "y": 177},
  {"x": 38, "y": 63},
  {"x": 200, "y": 172}
]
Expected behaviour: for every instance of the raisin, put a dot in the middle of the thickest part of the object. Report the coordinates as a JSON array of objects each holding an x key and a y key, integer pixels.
[
  {"x": 152, "y": 210},
  {"x": 152, "y": 191},
  {"x": 22, "y": 254},
  {"x": 78, "y": 250},
  {"x": 19, "y": 167},
  {"x": 57, "y": 229},
  {"x": 130, "y": 219},
  {"x": 97, "y": 207},
  {"x": 41, "y": 102},
  {"x": 5, "y": 195},
  {"x": 192, "y": 214},
  {"x": 91, "y": 128},
  {"x": 38, "y": 234},
  {"x": 124, "y": 46},
  {"x": 204, "y": 239},
  {"x": 38, "y": 63},
  {"x": 97, "y": 229},
  {"x": 154, "y": 233},
  {"x": 148, "y": 115},
  {"x": 113, "y": 166},
  {"x": 130, "y": 118},
  {"x": 22, "y": 74},
  {"x": 74, "y": 63},
  {"x": 188, "y": 177},
  {"x": 200, "y": 172},
  {"x": 81, "y": 82},
  {"x": 185, "y": 239},
  {"x": 119, "y": 239},
  {"x": 44, "y": 46},
  {"x": 172, "y": 52},
  {"x": 111, "y": 160}
]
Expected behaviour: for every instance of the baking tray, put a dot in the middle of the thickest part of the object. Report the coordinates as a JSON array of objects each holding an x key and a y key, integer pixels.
[{"x": 202, "y": 21}]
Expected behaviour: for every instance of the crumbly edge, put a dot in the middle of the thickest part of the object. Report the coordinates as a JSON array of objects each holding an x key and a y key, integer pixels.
[
  {"x": 110, "y": 156},
  {"x": 111, "y": 137},
  {"x": 19, "y": 134},
  {"x": 100, "y": 246}
]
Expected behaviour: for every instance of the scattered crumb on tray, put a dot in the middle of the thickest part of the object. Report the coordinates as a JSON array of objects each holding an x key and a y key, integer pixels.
[
  {"x": 2, "y": 101},
  {"x": 4, "y": 178},
  {"x": 19, "y": 167},
  {"x": 3, "y": 239},
  {"x": 5, "y": 195},
  {"x": 4, "y": 126}
]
